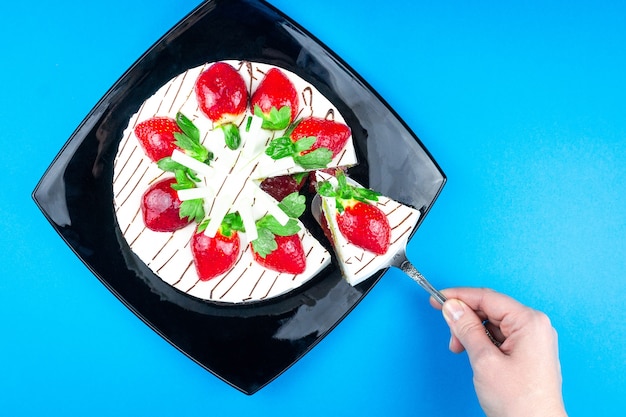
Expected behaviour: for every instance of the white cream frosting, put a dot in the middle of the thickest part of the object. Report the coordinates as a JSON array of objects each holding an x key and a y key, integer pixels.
[
  {"x": 358, "y": 264},
  {"x": 230, "y": 184}
]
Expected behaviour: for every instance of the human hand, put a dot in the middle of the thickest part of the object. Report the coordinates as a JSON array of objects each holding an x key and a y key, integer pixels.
[{"x": 521, "y": 377}]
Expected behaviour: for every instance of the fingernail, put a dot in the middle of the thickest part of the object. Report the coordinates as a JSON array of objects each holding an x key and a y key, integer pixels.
[{"x": 453, "y": 310}]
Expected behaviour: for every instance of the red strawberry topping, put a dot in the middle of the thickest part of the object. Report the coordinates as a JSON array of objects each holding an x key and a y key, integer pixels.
[
  {"x": 365, "y": 226},
  {"x": 275, "y": 91},
  {"x": 283, "y": 185},
  {"x": 221, "y": 93},
  {"x": 160, "y": 207},
  {"x": 156, "y": 136},
  {"x": 289, "y": 257},
  {"x": 214, "y": 256},
  {"x": 359, "y": 221},
  {"x": 328, "y": 133}
]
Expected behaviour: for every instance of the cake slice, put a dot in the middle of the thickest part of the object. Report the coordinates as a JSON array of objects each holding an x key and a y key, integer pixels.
[{"x": 365, "y": 228}]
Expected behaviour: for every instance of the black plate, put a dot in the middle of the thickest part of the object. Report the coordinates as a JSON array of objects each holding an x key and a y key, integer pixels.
[{"x": 246, "y": 346}]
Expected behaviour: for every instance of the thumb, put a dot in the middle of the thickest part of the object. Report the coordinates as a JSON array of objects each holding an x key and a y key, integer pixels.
[{"x": 466, "y": 327}]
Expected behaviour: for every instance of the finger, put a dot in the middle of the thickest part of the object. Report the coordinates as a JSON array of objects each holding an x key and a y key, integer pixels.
[
  {"x": 455, "y": 344},
  {"x": 434, "y": 303},
  {"x": 467, "y": 328},
  {"x": 494, "y": 333},
  {"x": 488, "y": 304}
]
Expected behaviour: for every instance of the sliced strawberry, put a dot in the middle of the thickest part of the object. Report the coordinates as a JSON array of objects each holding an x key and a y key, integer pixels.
[
  {"x": 283, "y": 185},
  {"x": 156, "y": 136},
  {"x": 275, "y": 100},
  {"x": 160, "y": 207},
  {"x": 365, "y": 226},
  {"x": 289, "y": 257},
  {"x": 222, "y": 96},
  {"x": 327, "y": 133},
  {"x": 213, "y": 256},
  {"x": 278, "y": 246},
  {"x": 312, "y": 144}
]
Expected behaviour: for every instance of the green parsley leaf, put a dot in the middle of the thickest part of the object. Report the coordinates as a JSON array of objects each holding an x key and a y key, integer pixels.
[
  {"x": 183, "y": 182},
  {"x": 277, "y": 119},
  {"x": 299, "y": 176},
  {"x": 325, "y": 189},
  {"x": 231, "y": 135},
  {"x": 342, "y": 181},
  {"x": 279, "y": 148},
  {"x": 184, "y": 142},
  {"x": 189, "y": 139},
  {"x": 304, "y": 144},
  {"x": 202, "y": 226},
  {"x": 232, "y": 222},
  {"x": 319, "y": 158},
  {"x": 185, "y": 177},
  {"x": 192, "y": 209},
  {"x": 344, "y": 192},
  {"x": 167, "y": 164},
  {"x": 283, "y": 147},
  {"x": 365, "y": 194},
  {"x": 270, "y": 223},
  {"x": 188, "y": 127},
  {"x": 293, "y": 205},
  {"x": 268, "y": 227},
  {"x": 265, "y": 243}
]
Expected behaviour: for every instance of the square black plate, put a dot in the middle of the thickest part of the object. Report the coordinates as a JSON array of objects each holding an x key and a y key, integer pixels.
[{"x": 245, "y": 345}]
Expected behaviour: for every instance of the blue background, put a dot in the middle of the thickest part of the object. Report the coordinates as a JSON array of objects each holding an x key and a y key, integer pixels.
[{"x": 521, "y": 103}]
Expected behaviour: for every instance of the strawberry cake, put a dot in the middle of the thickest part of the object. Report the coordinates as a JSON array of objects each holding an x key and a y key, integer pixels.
[
  {"x": 200, "y": 171},
  {"x": 207, "y": 182},
  {"x": 365, "y": 228}
]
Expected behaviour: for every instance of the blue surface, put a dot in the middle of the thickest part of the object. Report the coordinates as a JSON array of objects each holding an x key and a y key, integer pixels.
[{"x": 522, "y": 106}]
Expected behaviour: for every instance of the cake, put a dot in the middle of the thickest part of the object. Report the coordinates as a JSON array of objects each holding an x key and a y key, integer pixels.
[
  {"x": 365, "y": 228},
  {"x": 239, "y": 150},
  {"x": 207, "y": 180}
]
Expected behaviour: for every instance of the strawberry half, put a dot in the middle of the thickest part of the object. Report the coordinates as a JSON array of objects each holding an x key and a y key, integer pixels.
[
  {"x": 327, "y": 133},
  {"x": 365, "y": 226},
  {"x": 156, "y": 136},
  {"x": 222, "y": 96},
  {"x": 160, "y": 207},
  {"x": 359, "y": 221},
  {"x": 278, "y": 246},
  {"x": 283, "y": 185},
  {"x": 216, "y": 255},
  {"x": 275, "y": 100},
  {"x": 221, "y": 93},
  {"x": 289, "y": 257}
]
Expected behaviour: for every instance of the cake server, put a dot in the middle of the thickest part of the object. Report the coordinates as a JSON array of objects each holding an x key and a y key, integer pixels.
[{"x": 401, "y": 261}]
